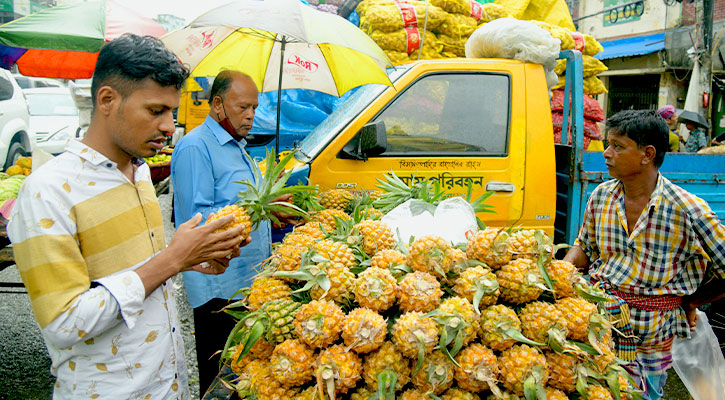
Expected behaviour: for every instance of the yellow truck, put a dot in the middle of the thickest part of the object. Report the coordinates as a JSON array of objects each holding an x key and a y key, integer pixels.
[{"x": 481, "y": 121}]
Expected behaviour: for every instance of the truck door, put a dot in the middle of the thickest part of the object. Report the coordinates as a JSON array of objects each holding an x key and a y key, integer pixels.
[{"x": 454, "y": 127}]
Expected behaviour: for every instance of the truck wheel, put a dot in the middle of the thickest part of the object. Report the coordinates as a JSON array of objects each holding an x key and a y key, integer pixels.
[{"x": 15, "y": 151}]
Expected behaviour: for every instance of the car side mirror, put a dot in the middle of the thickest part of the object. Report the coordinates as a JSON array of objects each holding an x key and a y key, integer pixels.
[{"x": 371, "y": 141}]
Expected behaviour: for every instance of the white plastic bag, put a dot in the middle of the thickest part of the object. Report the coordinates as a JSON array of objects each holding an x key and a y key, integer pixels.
[
  {"x": 699, "y": 362},
  {"x": 517, "y": 40},
  {"x": 451, "y": 219}
]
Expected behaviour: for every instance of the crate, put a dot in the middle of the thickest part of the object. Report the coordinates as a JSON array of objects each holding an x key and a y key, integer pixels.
[{"x": 160, "y": 171}]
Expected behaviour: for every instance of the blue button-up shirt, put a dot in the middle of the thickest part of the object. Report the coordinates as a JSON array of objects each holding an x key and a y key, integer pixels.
[{"x": 204, "y": 167}]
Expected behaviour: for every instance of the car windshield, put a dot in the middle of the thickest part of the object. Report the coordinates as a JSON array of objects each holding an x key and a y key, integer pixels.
[
  {"x": 51, "y": 104},
  {"x": 338, "y": 119}
]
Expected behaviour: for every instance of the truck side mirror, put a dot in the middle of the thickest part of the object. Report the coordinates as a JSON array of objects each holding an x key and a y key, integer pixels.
[{"x": 371, "y": 141}]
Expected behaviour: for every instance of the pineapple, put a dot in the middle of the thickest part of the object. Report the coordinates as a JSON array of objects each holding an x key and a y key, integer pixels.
[
  {"x": 504, "y": 396},
  {"x": 287, "y": 257},
  {"x": 543, "y": 322},
  {"x": 387, "y": 259},
  {"x": 371, "y": 213},
  {"x": 251, "y": 375},
  {"x": 311, "y": 393},
  {"x": 500, "y": 327},
  {"x": 335, "y": 199},
  {"x": 376, "y": 289},
  {"x": 338, "y": 369},
  {"x": 563, "y": 369},
  {"x": 427, "y": 254},
  {"x": 456, "y": 260},
  {"x": 458, "y": 394},
  {"x": 362, "y": 394},
  {"x": 341, "y": 283},
  {"x": 419, "y": 291},
  {"x": 479, "y": 286},
  {"x": 489, "y": 246},
  {"x": 364, "y": 330},
  {"x": 266, "y": 289},
  {"x": 261, "y": 349},
  {"x": 532, "y": 244},
  {"x": 415, "y": 394},
  {"x": 520, "y": 281},
  {"x": 564, "y": 275},
  {"x": 596, "y": 392},
  {"x": 436, "y": 374},
  {"x": 258, "y": 202},
  {"x": 257, "y": 380},
  {"x": 337, "y": 252},
  {"x": 459, "y": 318},
  {"x": 327, "y": 218},
  {"x": 477, "y": 368},
  {"x": 319, "y": 323},
  {"x": 555, "y": 394},
  {"x": 376, "y": 236},
  {"x": 311, "y": 229},
  {"x": 413, "y": 332},
  {"x": 577, "y": 312},
  {"x": 522, "y": 365},
  {"x": 291, "y": 362},
  {"x": 299, "y": 239},
  {"x": 273, "y": 390},
  {"x": 386, "y": 359}
]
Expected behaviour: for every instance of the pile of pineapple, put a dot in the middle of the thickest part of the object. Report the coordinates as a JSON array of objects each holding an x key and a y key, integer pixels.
[{"x": 342, "y": 310}]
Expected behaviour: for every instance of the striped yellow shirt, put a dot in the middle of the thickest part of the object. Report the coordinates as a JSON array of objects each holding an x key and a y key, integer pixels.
[{"x": 79, "y": 229}]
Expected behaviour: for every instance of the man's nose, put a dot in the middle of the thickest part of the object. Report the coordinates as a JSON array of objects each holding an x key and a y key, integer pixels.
[{"x": 167, "y": 123}]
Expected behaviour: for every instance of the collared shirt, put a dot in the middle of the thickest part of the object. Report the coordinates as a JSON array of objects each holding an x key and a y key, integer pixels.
[
  {"x": 696, "y": 140},
  {"x": 667, "y": 253},
  {"x": 79, "y": 229},
  {"x": 205, "y": 170}
]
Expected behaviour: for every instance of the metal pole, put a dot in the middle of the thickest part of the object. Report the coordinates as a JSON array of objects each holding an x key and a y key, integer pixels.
[{"x": 279, "y": 97}]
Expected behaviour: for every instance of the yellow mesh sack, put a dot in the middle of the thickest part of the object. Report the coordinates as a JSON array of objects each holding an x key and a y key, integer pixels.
[
  {"x": 572, "y": 40},
  {"x": 397, "y": 57},
  {"x": 592, "y": 85},
  {"x": 404, "y": 40},
  {"x": 591, "y": 65},
  {"x": 554, "y": 12},
  {"x": 454, "y": 6},
  {"x": 515, "y": 7},
  {"x": 385, "y": 15},
  {"x": 452, "y": 46},
  {"x": 401, "y": 57},
  {"x": 493, "y": 11},
  {"x": 457, "y": 25}
]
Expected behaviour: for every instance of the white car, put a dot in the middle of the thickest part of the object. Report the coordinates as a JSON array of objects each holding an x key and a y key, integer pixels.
[
  {"x": 27, "y": 82},
  {"x": 53, "y": 117},
  {"x": 16, "y": 140}
]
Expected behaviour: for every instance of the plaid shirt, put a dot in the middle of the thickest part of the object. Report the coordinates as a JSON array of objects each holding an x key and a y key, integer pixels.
[{"x": 675, "y": 239}]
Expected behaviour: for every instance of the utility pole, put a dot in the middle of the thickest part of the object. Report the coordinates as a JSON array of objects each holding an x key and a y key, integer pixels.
[{"x": 703, "y": 12}]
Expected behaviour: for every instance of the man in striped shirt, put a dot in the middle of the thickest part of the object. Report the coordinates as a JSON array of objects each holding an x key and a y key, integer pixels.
[
  {"x": 88, "y": 238},
  {"x": 649, "y": 243}
]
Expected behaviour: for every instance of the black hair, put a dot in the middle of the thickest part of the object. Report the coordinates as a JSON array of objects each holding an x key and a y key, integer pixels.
[
  {"x": 644, "y": 127},
  {"x": 126, "y": 61},
  {"x": 223, "y": 82}
]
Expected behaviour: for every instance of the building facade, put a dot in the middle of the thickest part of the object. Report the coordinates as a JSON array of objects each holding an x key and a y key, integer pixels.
[{"x": 14, "y": 9}]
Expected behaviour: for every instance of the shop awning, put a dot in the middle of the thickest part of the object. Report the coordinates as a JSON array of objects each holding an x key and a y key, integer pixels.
[{"x": 632, "y": 46}]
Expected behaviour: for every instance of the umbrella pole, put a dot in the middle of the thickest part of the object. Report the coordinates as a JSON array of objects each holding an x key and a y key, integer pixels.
[{"x": 279, "y": 98}]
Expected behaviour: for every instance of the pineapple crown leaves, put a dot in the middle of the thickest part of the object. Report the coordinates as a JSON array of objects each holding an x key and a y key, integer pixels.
[
  {"x": 534, "y": 384},
  {"x": 478, "y": 204},
  {"x": 387, "y": 381},
  {"x": 612, "y": 378},
  {"x": 256, "y": 326},
  {"x": 452, "y": 330},
  {"x": 506, "y": 328},
  {"x": 314, "y": 275},
  {"x": 484, "y": 287},
  {"x": 258, "y": 199}
]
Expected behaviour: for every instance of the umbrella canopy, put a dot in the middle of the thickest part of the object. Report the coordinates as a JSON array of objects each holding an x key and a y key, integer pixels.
[
  {"x": 695, "y": 118},
  {"x": 64, "y": 41},
  {"x": 280, "y": 44}
]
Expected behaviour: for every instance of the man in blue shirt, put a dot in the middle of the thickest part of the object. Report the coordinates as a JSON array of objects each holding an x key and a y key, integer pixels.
[{"x": 204, "y": 168}]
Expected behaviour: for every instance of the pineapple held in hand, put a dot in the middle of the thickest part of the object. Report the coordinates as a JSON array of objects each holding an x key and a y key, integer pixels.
[{"x": 259, "y": 202}]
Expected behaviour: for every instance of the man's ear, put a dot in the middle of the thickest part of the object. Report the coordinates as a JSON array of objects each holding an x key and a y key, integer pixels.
[
  {"x": 649, "y": 154},
  {"x": 106, "y": 99},
  {"x": 216, "y": 105}
]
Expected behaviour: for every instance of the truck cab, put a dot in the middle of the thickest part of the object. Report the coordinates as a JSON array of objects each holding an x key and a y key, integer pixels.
[{"x": 484, "y": 122}]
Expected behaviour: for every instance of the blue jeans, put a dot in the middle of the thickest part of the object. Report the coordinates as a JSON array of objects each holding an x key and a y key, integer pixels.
[{"x": 654, "y": 384}]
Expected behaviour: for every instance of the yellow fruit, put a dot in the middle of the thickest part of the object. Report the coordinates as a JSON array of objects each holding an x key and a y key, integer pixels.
[
  {"x": 14, "y": 170},
  {"x": 26, "y": 171},
  {"x": 518, "y": 363},
  {"x": 413, "y": 331},
  {"x": 287, "y": 257},
  {"x": 341, "y": 283},
  {"x": 519, "y": 281},
  {"x": 427, "y": 254},
  {"x": 339, "y": 367},
  {"x": 495, "y": 321},
  {"x": 458, "y": 394},
  {"x": 460, "y": 311},
  {"x": 376, "y": 289},
  {"x": 327, "y": 218},
  {"x": 337, "y": 252},
  {"x": 478, "y": 368},
  {"x": 364, "y": 330},
  {"x": 291, "y": 362},
  {"x": 319, "y": 323},
  {"x": 477, "y": 280},
  {"x": 377, "y": 236},
  {"x": 24, "y": 162},
  {"x": 563, "y": 274},
  {"x": 489, "y": 246},
  {"x": 555, "y": 394},
  {"x": 539, "y": 318},
  {"x": 266, "y": 289},
  {"x": 577, "y": 311},
  {"x": 387, "y": 357},
  {"x": 435, "y": 375},
  {"x": 562, "y": 371},
  {"x": 335, "y": 198},
  {"x": 240, "y": 218},
  {"x": 596, "y": 392},
  {"x": 386, "y": 259},
  {"x": 419, "y": 291}
]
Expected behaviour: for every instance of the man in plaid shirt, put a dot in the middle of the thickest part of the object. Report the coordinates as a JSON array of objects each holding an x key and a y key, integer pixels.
[{"x": 651, "y": 244}]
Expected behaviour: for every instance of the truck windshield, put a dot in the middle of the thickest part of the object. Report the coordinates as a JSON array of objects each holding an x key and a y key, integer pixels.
[{"x": 343, "y": 114}]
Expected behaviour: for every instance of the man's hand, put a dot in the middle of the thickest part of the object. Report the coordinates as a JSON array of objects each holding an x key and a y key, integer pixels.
[
  {"x": 690, "y": 313},
  {"x": 285, "y": 218},
  {"x": 194, "y": 244}
]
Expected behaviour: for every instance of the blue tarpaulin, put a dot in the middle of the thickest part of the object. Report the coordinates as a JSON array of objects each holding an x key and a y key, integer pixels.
[{"x": 632, "y": 46}]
